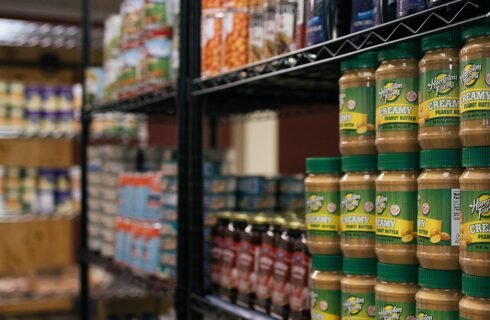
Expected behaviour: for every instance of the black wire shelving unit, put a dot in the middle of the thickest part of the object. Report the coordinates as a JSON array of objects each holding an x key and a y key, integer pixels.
[
  {"x": 306, "y": 78},
  {"x": 162, "y": 101},
  {"x": 150, "y": 284},
  {"x": 310, "y": 75}
]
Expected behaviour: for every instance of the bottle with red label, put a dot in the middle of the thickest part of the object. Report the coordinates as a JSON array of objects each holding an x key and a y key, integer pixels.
[
  {"x": 231, "y": 241},
  {"x": 217, "y": 245},
  {"x": 282, "y": 269},
  {"x": 266, "y": 263},
  {"x": 300, "y": 273},
  {"x": 248, "y": 259}
]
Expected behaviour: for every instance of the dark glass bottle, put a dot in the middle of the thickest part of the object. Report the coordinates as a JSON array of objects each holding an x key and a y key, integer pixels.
[
  {"x": 231, "y": 240},
  {"x": 300, "y": 273},
  {"x": 266, "y": 263},
  {"x": 282, "y": 270},
  {"x": 217, "y": 245},
  {"x": 248, "y": 255}
]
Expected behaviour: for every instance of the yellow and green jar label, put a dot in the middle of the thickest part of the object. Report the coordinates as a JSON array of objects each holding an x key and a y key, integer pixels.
[
  {"x": 396, "y": 212},
  {"x": 358, "y": 306},
  {"x": 322, "y": 213},
  {"x": 357, "y": 218},
  {"x": 397, "y": 104},
  {"x": 438, "y": 220},
  {"x": 357, "y": 111},
  {"x": 439, "y": 98},
  {"x": 423, "y": 314},
  {"x": 475, "y": 89},
  {"x": 386, "y": 310},
  {"x": 325, "y": 304},
  {"x": 475, "y": 224}
]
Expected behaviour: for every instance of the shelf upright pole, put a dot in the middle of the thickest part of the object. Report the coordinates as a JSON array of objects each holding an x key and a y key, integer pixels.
[
  {"x": 196, "y": 134},
  {"x": 213, "y": 124},
  {"x": 84, "y": 140},
  {"x": 182, "y": 292}
]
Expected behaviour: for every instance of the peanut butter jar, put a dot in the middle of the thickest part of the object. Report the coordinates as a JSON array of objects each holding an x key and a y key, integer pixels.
[
  {"x": 325, "y": 293},
  {"x": 438, "y": 218},
  {"x": 357, "y": 209},
  {"x": 474, "y": 72},
  {"x": 439, "y": 91},
  {"x": 474, "y": 254},
  {"x": 396, "y": 208},
  {"x": 439, "y": 294},
  {"x": 322, "y": 205},
  {"x": 357, "y": 104},
  {"x": 357, "y": 299},
  {"x": 395, "y": 291},
  {"x": 475, "y": 305},
  {"x": 397, "y": 86}
]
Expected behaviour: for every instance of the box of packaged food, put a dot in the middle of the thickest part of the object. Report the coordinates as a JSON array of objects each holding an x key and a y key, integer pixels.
[
  {"x": 220, "y": 184},
  {"x": 254, "y": 202}
]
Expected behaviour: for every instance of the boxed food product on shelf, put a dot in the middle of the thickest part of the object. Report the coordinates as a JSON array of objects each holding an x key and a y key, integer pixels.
[{"x": 211, "y": 43}]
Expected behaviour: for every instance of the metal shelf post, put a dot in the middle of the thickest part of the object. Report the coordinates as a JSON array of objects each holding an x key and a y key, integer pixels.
[{"x": 85, "y": 136}]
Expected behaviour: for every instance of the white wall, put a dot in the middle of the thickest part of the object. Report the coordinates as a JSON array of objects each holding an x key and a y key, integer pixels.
[{"x": 255, "y": 145}]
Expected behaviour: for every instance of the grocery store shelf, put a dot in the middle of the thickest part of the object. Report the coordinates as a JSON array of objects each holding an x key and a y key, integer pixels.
[
  {"x": 149, "y": 283},
  {"x": 30, "y": 306},
  {"x": 23, "y": 33},
  {"x": 311, "y": 74},
  {"x": 217, "y": 308},
  {"x": 31, "y": 152},
  {"x": 158, "y": 102}
]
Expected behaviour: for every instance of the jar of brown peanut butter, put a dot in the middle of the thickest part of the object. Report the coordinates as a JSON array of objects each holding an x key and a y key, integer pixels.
[
  {"x": 396, "y": 208},
  {"x": 439, "y": 91},
  {"x": 357, "y": 104},
  {"x": 475, "y": 305},
  {"x": 322, "y": 205},
  {"x": 397, "y": 79},
  {"x": 474, "y": 254},
  {"x": 474, "y": 102},
  {"x": 395, "y": 291},
  {"x": 325, "y": 287},
  {"x": 439, "y": 294},
  {"x": 357, "y": 298},
  {"x": 357, "y": 209},
  {"x": 438, "y": 216}
]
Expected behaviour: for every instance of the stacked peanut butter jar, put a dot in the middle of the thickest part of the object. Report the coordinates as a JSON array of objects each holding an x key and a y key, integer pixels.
[{"x": 399, "y": 226}]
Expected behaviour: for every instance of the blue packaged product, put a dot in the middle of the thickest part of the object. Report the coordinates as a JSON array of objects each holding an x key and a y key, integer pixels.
[
  {"x": 62, "y": 191},
  {"x": 137, "y": 244},
  {"x": 363, "y": 14},
  {"x": 254, "y": 202},
  {"x": 408, "y": 7},
  {"x": 169, "y": 213},
  {"x": 169, "y": 184},
  {"x": 151, "y": 256},
  {"x": 34, "y": 96},
  {"x": 256, "y": 184},
  {"x": 211, "y": 168},
  {"x": 167, "y": 272},
  {"x": 168, "y": 243},
  {"x": 168, "y": 258},
  {"x": 327, "y": 20},
  {"x": 295, "y": 202},
  {"x": 291, "y": 184},
  {"x": 169, "y": 199},
  {"x": 219, "y": 184},
  {"x": 219, "y": 201},
  {"x": 168, "y": 229}
]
